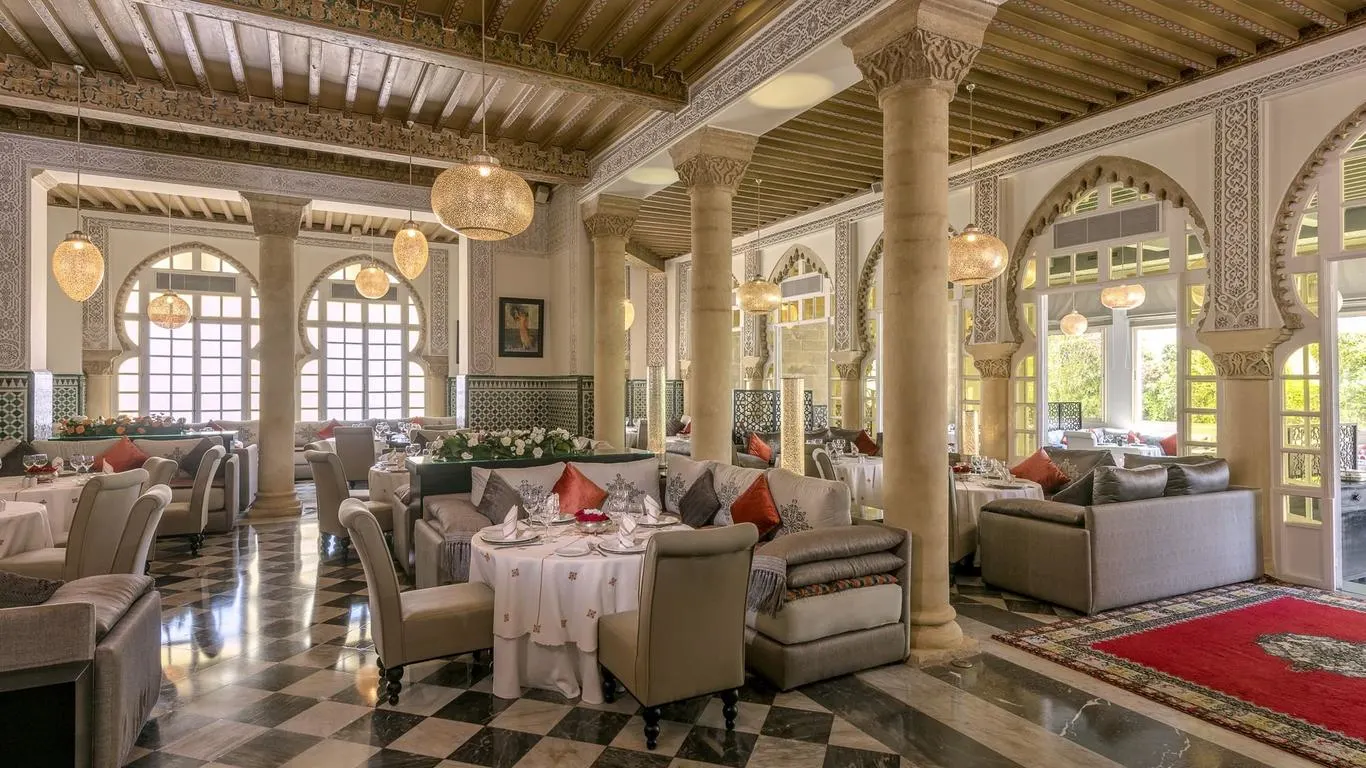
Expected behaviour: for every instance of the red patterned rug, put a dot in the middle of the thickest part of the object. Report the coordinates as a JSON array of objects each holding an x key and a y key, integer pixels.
[{"x": 1284, "y": 665}]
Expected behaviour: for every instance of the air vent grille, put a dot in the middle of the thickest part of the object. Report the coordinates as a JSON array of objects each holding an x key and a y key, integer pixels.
[
  {"x": 1129, "y": 222},
  {"x": 191, "y": 283},
  {"x": 805, "y": 285},
  {"x": 348, "y": 292}
]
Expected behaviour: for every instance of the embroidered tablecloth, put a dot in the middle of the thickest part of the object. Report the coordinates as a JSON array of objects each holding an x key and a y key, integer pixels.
[
  {"x": 974, "y": 493},
  {"x": 863, "y": 475},
  {"x": 23, "y": 527},
  {"x": 546, "y": 610},
  {"x": 59, "y": 496}
]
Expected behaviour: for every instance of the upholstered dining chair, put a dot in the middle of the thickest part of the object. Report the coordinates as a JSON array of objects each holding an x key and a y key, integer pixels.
[
  {"x": 98, "y": 527},
  {"x": 329, "y": 478},
  {"x": 356, "y": 449},
  {"x": 642, "y": 435},
  {"x": 160, "y": 471},
  {"x": 190, "y": 518},
  {"x": 688, "y": 637},
  {"x": 824, "y": 466},
  {"x": 420, "y": 624}
]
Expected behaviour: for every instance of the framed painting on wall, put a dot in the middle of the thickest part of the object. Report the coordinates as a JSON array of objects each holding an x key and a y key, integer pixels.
[{"x": 521, "y": 327}]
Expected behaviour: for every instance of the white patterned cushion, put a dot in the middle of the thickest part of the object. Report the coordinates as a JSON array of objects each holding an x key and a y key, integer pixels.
[
  {"x": 248, "y": 432},
  {"x": 176, "y": 450},
  {"x": 534, "y": 484},
  {"x": 805, "y": 503},
  {"x": 729, "y": 482},
  {"x": 682, "y": 473},
  {"x": 306, "y": 432},
  {"x": 627, "y": 482}
]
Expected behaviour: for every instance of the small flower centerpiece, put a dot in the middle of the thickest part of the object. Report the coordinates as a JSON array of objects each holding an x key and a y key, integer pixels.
[
  {"x": 592, "y": 520},
  {"x": 118, "y": 426},
  {"x": 43, "y": 473},
  {"x": 474, "y": 444}
]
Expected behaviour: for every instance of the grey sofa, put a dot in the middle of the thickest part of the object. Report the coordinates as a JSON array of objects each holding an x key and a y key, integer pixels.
[
  {"x": 113, "y": 623},
  {"x": 1104, "y": 556}
]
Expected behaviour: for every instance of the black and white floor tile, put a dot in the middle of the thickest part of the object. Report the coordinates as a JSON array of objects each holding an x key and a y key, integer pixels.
[{"x": 268, "y": 661}]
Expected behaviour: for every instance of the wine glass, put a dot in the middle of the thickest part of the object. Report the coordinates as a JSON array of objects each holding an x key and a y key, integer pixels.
[
  {"x": 82, "y": 463},
  {"x": 413, "y": 449}
]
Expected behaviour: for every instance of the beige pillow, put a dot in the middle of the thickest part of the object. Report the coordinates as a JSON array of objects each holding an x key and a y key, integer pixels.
[{"x": 805, "y": 503}]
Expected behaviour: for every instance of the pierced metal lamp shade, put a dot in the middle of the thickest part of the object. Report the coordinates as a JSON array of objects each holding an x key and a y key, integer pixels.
[
  {"x": 78, "y": 266},
  {"x": 482, "y": 201},
  {"x": 410, "y": 250},
  {"x": 976, "y": 257},
  {"x": 1123, "y": 296},
  {"x": 759, "y": 296},
  {"x": 1073, "y": 323},
  {"x": 629, "y": 311},
  {"x": 168, "y": 311},
  {"x": 372, "y": 282}
]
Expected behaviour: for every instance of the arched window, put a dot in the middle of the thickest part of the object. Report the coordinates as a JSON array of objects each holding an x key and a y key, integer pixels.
[
  {"x": 800, "y": 331},
  {"x": 205, "y": 369},
  {"x": 1301, "y": 434},
  {"x": 365, "y": 352}
]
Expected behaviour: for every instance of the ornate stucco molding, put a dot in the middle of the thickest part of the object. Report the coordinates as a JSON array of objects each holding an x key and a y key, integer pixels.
[
  {"x": 95, "y": 310},
  {"x": 440, "y": 331},
  {"x": 609, "y": 225},
  {"x": 483, "y": 309},
  {"x": 919, "y": 56},
  {"x": 149, "y": 103},
  {"x": 684, "y": 311},
  {"x": 383, "y": 28},
  {"x": 844, "y": 284},
  {"x": 986, "y": 301},
  {"x": 1105, "y": 169},
  {"x": 795, "y": 257},
  {"x": 656, "y": 318},
  {"x": 712, "y": 171},
  {"x": 1244, "y": 354},
  {"x": 867, "y": 276},
  {"x": 1250, "y": 364},
  {"x": 1237, "y": 236}
]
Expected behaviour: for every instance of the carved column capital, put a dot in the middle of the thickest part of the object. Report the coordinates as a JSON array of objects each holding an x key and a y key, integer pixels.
[
  {"x": 438, "y": 366},
  {"x": 1243, "y": 354},
  {"x": 685, "y": 370},
  {"x": 848, "y": 364},
  {"x": 713, "y": 157},
  {"x": 98, "y": 362},
  {"x": 610, "y": 215},
  {"x": 921, "y": 43},
  {"x": 275, "y": 214},
  {"x": 1245, "y": 364},
  {"x": 993, "y": 360},
  {"x": 712, "y": 171},
  {"x": 603, "y": 225},
  {"x": 921, "y": 56}
]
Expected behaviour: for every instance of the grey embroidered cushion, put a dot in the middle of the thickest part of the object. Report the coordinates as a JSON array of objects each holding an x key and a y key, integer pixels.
[
  {"x": 626, "y": 483},
  {"x": 681, "y": 473},
  {"x": 498, "y": 498},
  {"x": 731, "y": 481},
  {"x": 1115, "y": 484},
  {"x": 17, "y": 591},
  {"x": 699, "y": 505},
  {"x": 805, "y": 503},
  {"x": 533, "y": 484},
  {"x": 179, "y": 451}
]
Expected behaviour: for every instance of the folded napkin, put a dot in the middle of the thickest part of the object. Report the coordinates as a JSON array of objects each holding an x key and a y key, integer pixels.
[
  {"x": 552, "y": 506},
  {"x": 107, "y": 469},
  {"x": 510, "y": 523},
  {"x": 626, "y": 533},
  {"x": 652, "y": 510},
  {"x": 575, "y": 548},
  {"x": 57, "y": 463}
]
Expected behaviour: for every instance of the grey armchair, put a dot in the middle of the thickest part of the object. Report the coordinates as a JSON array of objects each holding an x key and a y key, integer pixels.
[
  {"x": 356, "y": 448},
  {"x": 418, "y": 625},
  {"x": 190, "y": 518},
  {"x": 97, "y": 529},
  {"x": 688, "y": 637},
  {"x": 329, "y": 479},
  {"x": 160, "y": 471},
  {"x": 825, "y": 468}
]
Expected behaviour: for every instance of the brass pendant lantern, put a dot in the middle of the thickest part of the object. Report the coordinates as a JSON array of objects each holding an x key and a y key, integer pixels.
[
  {"x": 168, "y": 310},
  {"x": 410, "y": 245},
  {"x": 372, "y": 282},
  {"x": 1129, "y": 296},
  {"x": 975, "y": 257},
  {"x": 480, "y": 199},
  {"x": 758, "y": 296},
  {"x": 1073, "y": 323},
  {"x": 628, "y": 311},
  {"x": 77, "y": 264}
]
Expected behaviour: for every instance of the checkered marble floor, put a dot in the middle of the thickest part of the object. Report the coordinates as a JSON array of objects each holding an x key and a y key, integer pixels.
[{"x": 269, "y": 661}]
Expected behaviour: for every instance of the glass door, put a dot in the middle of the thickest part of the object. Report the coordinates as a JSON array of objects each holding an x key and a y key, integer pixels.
[{"x": 1348, "y": 319}]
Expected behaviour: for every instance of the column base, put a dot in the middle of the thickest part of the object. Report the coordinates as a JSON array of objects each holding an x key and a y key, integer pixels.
[
  {"x": 929, "y": 657},
  {"x": 275, "y": 505}
]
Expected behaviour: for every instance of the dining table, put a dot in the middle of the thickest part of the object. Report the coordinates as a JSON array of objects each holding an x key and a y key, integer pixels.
[
  {"x": 863, "y": 475},
  {"x": 23, "y": 527},
  {"x": 59, "y": 497},
  {"x": 385, "y": 479},
  {"x": 971, "y": 493},
  {"x": 546, "y": 607}
]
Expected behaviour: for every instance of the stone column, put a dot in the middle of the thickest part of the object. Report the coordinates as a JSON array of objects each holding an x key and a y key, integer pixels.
[
  {"x": 438, "y": 371},
  {"x": 276, "y": 221},
  {"x": 849, "y": 370},
  {"x": 993, "y": 364},
  {"x": 685, "y": 373},
  {"x": 98, "y": 366},
  {"x": 914, "y": 54},
  {"x": 608, "y": 219},
  {"x": 711, "y": 162},
  {"x": 1244, "y": 363}
]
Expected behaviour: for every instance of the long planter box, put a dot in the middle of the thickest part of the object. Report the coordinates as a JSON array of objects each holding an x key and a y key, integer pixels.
[{"x": 431, "y": 478}]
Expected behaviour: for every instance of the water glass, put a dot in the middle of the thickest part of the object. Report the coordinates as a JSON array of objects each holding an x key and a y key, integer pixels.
[{"x": 413, "y": 449}]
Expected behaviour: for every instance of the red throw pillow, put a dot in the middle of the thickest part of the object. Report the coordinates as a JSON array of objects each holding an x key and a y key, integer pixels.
[
  {"x": 1041, "y": 470},
  {"x": 577, "y": 491},
  {"x": 327, "y": 430},
  {"x": 756, "y": 506},
  {"x": 1168, "y": 445},
  {"x": 1134, "y": 438},
  {"x": 865, "y": 444},
  {"x": 756, "y": 446},
  {"x": 122, "y": 456},
  {"x": 686, "y": 430}
]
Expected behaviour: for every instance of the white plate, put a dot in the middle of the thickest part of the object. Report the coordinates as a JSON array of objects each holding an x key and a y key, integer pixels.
[
  {"x": 496, "y": 538},
  {"x": 611, "y": 547},
  {"x": 665, "y": 521},
  {"x": 562, "y": 520},
  {"x": 584, "y": 553}
]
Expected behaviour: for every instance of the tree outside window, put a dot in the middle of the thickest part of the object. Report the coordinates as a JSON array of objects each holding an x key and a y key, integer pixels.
[
  {"x": 1076, "y": 372},
  {"x": 1155, "y": 373}
]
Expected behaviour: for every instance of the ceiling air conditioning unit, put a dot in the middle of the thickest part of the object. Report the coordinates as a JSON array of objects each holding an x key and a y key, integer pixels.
[{"x": 876, "y": 187}]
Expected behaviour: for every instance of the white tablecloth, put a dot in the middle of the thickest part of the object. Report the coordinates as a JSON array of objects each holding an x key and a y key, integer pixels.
[
  {"x": 546, "y": 609},
  {"x": 383, "y": 483},
  {"x": 23, "y": 527},
  {"x": 863, "y": 475},
  {"x": 973, "y": 493},
  {"x": 60, "y": 496},
  {"x": 1136, "y": 450}
]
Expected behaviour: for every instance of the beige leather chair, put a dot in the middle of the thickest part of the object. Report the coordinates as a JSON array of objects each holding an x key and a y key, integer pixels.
[
  {"x": 356, "y": 448},
  {"x": 825, "y": 468},
  {"x": 160, "y": 471},
  {"x": 329, "y": 478},
  {"x": 190, "y": 518},
  {"x": 99, "y": 528},
  {"x": 418, "y": 625},
  {"x": 688, "y": 638}
]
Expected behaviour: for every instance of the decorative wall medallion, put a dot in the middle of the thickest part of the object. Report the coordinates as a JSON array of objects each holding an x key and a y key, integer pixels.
[{"x": 1236, "y": 237}]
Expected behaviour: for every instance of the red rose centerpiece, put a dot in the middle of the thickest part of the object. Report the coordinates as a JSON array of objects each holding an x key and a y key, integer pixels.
[
  {"x": 592, "y": 520},
  {"x": 43, "y": 473}
]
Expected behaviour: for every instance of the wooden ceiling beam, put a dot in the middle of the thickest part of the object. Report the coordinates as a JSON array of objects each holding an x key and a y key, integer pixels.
[
  {"x": 53, "y": 22},
  {"x": 539, "y": 16},
  {"x": 352, "y": 82},
  {"x": 1006, "y": 47},
  {"x": 108, "y": 197},
  {"x": 600, "y": 121},
  {"x": 984, "y": 115},
  {"x": 1320, "y": 12},
  {"x": 161, "y": 204},
  {"x": 567, "y": 124},
  {"x": 583, "y": 22},
  {"x": 825, "y": 164},
  {"x": 463, "y": 80},
  {"x": 21, "y": 39},
  {"x": 277, "y": 67},
  {"x": 315, "y": 74},
  {"x": 484, "y": 101},
  {"x": 500, "y": 14},
  {"x": 670, "y": 24},
  {"x": 1252, "y": 19},
  {"x": 455, "y": 9},
  {"x": 419, "y": 97},
  {"x": 1181, "y": 24},
  {"x": 1022, "y": 100},
  {"x": 1129, "y": 35},
  {"x": 377, "y": 29},
  {"x": 137, "y": 201},
  {"x": 1053, "y": 36},
  {"x": 386, "y": 86},
  {"x": 630, "y": 18},
  {"x": 513, "y": 113},
  {"x": 780, "y": 138},
  {"x": 100, "y": 27},
  {"x": 543, "y": 114},
  {"x": 858, "y": 134},
  {"x": 1078, "y": 96},
  {"x": 226, "y": 208},
  {"x": 703, "y": 32},
  {"x": 819, "y": 139},
  {"x": 203, "y": 206},
  {"x": 223, "y": 116},
  {"x": 235, "y": 63},
  {"x": 201, "y": 75}
]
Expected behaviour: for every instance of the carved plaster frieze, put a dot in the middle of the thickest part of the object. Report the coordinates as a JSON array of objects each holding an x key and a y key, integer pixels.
[
  {"x": 1234, "y": 275},
  {"x": 851, "y": 371},
  {"x": 98, "y": 362},
  {"x": 656, "y": 319},
  {"x": 608, "y": 225},
  {"x": 919, "y": 56},
  {"x": 483, "y": 309},
  {"x": 95, "y": 310},
  {"x": 993, "y": 368},
  {"x": 685, "y": 311},
  {"x": 986, "y": 214},
  {"x": 844, "y": 279},
  {"x": 439, "y": 263},
  {"x": 793, "y": 260},
  {"x": 712, "y": 171},
  {"x": 275, "y": 214},
  {"x": 1253, "y": 364}
]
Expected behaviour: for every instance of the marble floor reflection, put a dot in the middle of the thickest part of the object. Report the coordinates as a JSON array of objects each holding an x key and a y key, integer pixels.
[{"x": 269, "y": 661}]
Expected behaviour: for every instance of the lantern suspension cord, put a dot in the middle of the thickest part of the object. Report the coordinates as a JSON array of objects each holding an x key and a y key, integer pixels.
[
  {"x": 972, "y": 126},
  {"x": 80, "y": 99},
  {"x": 411, "y": 141},
  {"x": 483, "y": 76}
]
